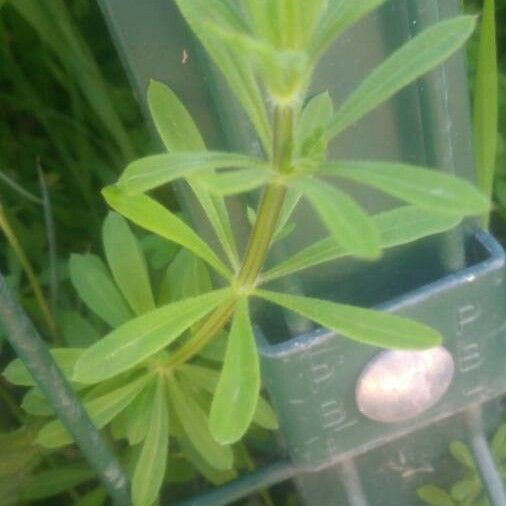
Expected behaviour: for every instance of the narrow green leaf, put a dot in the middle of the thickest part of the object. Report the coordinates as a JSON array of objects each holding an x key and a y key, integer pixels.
[
  {"x": 339, "y": 16},
  {"x": 138, "y": 339},
  {"x": 398, "y": 226},
  {"x": 434, "y": 496},
  {"x": 152, "y": 171},
  {"x": 77, "y": 331},
  {"x": 462, "y": 454},
  {"x": 429, "y": 189},
  {"x": 466, "y": 489},
  {"x": 211, "y": 474},
  {"x": 51, "y": 482},
  {"x": 127, "y": 263},
  {"x": 101, "y": 411},
  {"x": 196, "y": 425},
  {"x": 348, "y": 224},
  {"x": 94, "y": 285},
  {"x": 365, "y": 326},
  {"x": 179, "y": 133},
  {"x": 238, "y": 388},
  {"x": 421, "y": 54},
  {"x": 187, "y": 276},
  {"x": 485, "y": 114},
  {"x": 207, "y": 379},
  {"x": 152, "y": 216},
  {"x": 235, "y": 181},
  {"x": 137, "y": 415},
  {"x": 172, "y": 120},
  {"x": 150, "y": 468},
  {"x": 265, "y": 416},
  {"x": 236, "y": 69},
  {"x": 17, "y": 374}
]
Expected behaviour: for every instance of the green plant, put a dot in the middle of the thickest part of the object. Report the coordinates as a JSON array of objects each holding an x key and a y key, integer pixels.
[
  {"x": 468, "y": 490},
  {"x": 159, "y": 375}
]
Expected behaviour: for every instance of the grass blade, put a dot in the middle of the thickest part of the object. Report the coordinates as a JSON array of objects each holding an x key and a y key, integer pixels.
[{"x": 485, "y": 113}]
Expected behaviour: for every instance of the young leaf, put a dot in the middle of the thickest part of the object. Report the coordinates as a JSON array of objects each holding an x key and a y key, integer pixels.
[
  {"x": 138, "y": 339},
  {"x": 462, "y": 454},
  {"x": 179, "y": 133},
  {"x": 137, "y": 415},
  {"x": 486, "y": 102},
  {"x": 77, "y": 331},
  {"x": 196, "y": 425},
  {"x": 95, "y": 287},
  {"x": 282, "y": 71},
  {"x": 150, "y": 467},
  {"x": 421, "y": 54},
  {"x": 398, "y": 226},
  {"x": 101, "y": 410},
  {"x": 345, "y": 220},
  {"x": 17, "y": 374},
  {"x": 339, "y": 16},
  {"x": 365, "y": 326},
  {"x": 311, "y": 132},
  {"x": 434, "y": 496},
  {"x": 152, "y": 171},
  {"x": 236, "y": 69},
  {"x": 152, "y": 216},
  {"x": 54, "y": 481},
  {"x": 429, "y": 189},
  {"x": 238, "y": 388},
  {"x": 234, "y": 181},
  {"x": 127, "y": 263}
]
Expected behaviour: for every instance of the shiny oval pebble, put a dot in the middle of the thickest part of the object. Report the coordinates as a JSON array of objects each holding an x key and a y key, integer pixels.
[{"x": 399, "y": 385}]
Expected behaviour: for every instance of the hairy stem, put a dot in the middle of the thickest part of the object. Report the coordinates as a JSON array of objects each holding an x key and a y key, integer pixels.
[{"x": 269, "y": 210}]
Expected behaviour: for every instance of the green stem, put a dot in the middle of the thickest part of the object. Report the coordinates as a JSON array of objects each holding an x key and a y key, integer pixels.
[{"x": 259, "y": 242}]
